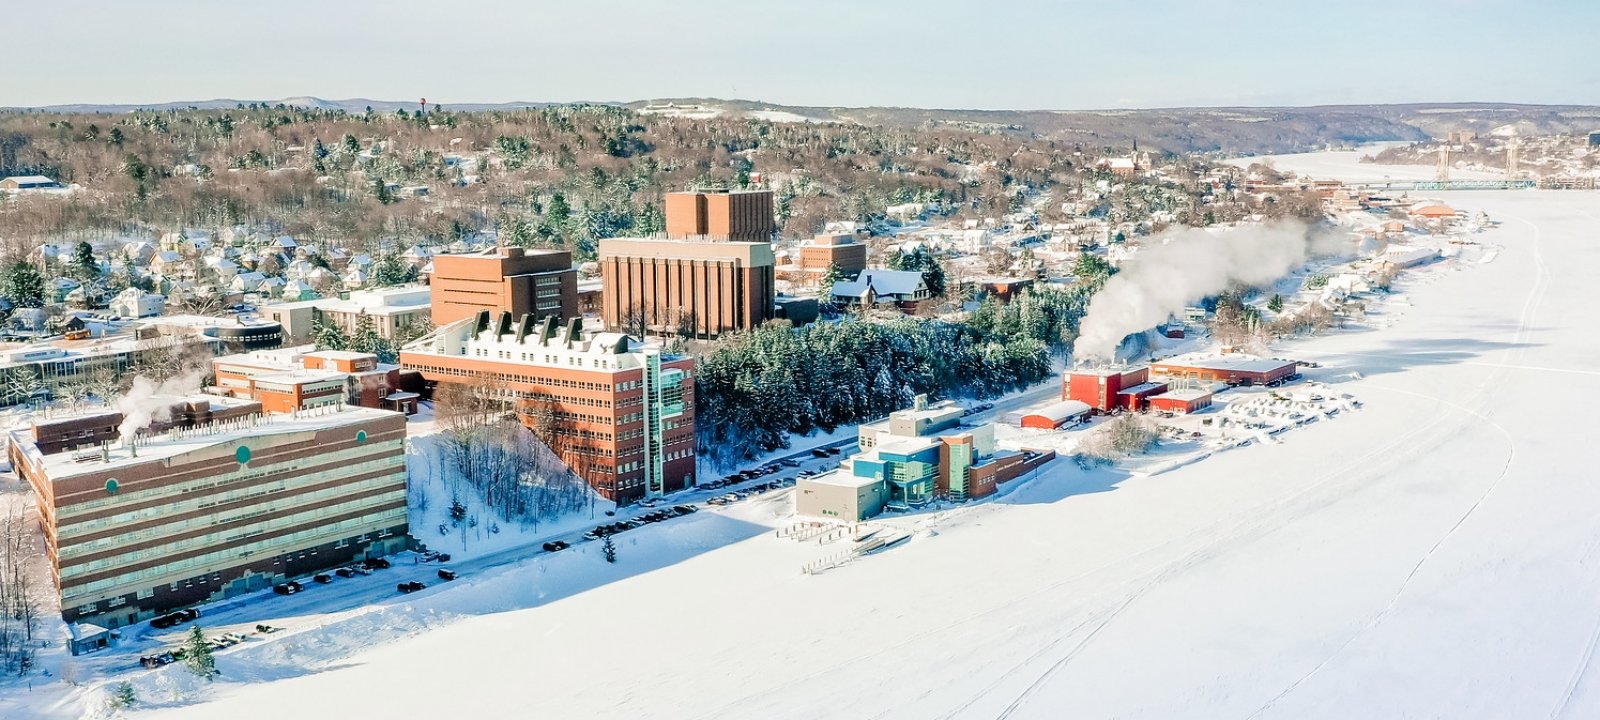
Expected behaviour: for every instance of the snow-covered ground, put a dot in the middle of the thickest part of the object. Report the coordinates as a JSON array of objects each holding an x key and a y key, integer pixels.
[{"x": 1433, "y": 554}]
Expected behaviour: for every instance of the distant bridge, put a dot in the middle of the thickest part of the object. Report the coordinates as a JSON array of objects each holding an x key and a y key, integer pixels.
[{"x": 1426, "y": 185}]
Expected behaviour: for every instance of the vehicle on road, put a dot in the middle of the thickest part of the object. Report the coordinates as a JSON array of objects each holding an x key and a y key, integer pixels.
[
  {"x": 410, "y": 587},
  {"x": 323, "y": 578},
  {"x": 446, "y": 575},
  {"x": 556, "y": 546},
  {"x": 819, "y": 452},
  {"x": 288, "y": 588}
]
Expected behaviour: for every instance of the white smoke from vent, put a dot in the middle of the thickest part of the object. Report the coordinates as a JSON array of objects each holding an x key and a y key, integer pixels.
[
  {"x": 1175, "y": 269},
  {"x": 148, "y": 401}
]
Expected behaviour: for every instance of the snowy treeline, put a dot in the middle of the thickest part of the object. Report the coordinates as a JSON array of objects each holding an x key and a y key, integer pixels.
[{"x": 756, "y": 389}]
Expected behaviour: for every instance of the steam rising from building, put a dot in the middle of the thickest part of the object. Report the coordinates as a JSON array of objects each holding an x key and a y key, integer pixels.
[
  {"x": 142, "y": 404},
  {"x": 1173, "y": 270}
]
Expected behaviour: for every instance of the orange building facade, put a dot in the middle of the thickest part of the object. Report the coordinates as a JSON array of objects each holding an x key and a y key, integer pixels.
[
  {"x": 522, "y": 281},
  {"x": 619, "y": 413},
  {"x": 734, "y": 215}
]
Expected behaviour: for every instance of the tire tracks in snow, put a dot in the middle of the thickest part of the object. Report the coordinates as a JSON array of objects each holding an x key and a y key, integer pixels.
[{"x": 1530, "y": 305}]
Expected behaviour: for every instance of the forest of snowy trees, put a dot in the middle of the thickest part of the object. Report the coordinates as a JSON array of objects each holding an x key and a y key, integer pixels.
[{"x": 760, "y": 386}]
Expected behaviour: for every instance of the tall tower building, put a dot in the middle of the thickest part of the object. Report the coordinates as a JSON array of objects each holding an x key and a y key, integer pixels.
[{"x": 713, "y": 273}]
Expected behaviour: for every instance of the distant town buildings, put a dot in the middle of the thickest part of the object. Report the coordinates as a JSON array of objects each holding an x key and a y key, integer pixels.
[
  {"x": 620, "y": 413},
  {"x": 220, "y": 501}
]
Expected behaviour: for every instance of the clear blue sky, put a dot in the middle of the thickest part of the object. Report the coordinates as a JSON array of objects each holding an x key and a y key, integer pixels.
[{"x": 932, "y": 53}]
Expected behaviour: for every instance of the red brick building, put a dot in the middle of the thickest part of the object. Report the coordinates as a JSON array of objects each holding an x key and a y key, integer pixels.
[
  {"x": 619, "y": 413},
  {"x": 1100, "y": 388},
  {"x": 521, "y": 281},
  {"x": 714, "y": 273},
  {"x": 738, "y": 215},
  {"x": 1230, "y": 368},
  {"x": 298, "y": 378}
]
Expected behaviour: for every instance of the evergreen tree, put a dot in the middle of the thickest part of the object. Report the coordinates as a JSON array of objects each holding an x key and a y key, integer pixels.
[
  {"x": 366, "y": 339},
  {"x": 921, "y": 260},
  {"x": 1276, "y": 303},
  {"x": 24, "y": 285},
  {"x": 391, "y": 270},
  {"x": 329, "y": 336},
  {"x": 380, "y": 190},
  {"x": 352, "y": 146},
  {"x": 84, "y": 265},
  {"x": 115, "y": 137},
  {"x": 825, "y": 288},
  {"x": 650, "y": 221},
  {"x": 197, "y": 654},
  {"x": 122, "y": 696},
  {"x": 558, "y": 212},
  {"x": 609, "y": 550}
]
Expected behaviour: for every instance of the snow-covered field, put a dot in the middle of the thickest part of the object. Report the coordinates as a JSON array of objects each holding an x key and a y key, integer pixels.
[{"x": 1432, "y": 555}]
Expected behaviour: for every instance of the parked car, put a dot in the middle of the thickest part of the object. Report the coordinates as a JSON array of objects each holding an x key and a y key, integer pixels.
[
  {"x": 685, "y": 509},
  {"x": 833, "y": 451},
  {"x": 378, "y": 564},
  {"x": 288, "y": 588},
  {"x": 556, "y": 546},
  {"x": 819, "y": 452},
  {"x": 446, "y": 575},
  {"x": 790, "y": 462},
  {"x": 345, "y": 572},
  {"x": 410, "y": 587},
  {"x": 323, "y": 578}
]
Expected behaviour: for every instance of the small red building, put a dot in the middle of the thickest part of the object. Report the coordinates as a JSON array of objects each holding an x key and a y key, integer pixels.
[
  {"x": 1054, "y": 415},
  {"x": 1182, "y": 401},
  {"x": 1137, "y": 397},
  {"x": 1098, "y": 388}
]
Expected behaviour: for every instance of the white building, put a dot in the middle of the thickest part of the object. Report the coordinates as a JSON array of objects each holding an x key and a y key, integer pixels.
[{"x": 136, "y": 303}]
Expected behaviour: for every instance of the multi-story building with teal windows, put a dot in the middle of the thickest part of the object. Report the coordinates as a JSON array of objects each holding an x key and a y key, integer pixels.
[
  {"x": 140, "y": 525},
  {"x": 906, "y": 461}
]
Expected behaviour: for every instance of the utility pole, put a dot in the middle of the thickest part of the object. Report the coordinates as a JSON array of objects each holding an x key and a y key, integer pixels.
[{"x": 1444, "y": 164}]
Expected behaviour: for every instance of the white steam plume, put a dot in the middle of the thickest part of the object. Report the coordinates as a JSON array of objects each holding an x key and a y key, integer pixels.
[
  {"x": 148, "y": 401},
  {"x": 1177, "y": 268}
]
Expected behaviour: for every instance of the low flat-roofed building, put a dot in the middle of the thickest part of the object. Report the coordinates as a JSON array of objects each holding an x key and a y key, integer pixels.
[
  {"x": 1054, "y": 415},
  {"x": 1182, "y": 401},
  {"x": 1230, "y": 368},
  {"x": 840, "y": 495},
  {"x": 301, "y": 377},
  {"x": 394, "y": 312},
  {"x": 1137, "y": 397}
]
